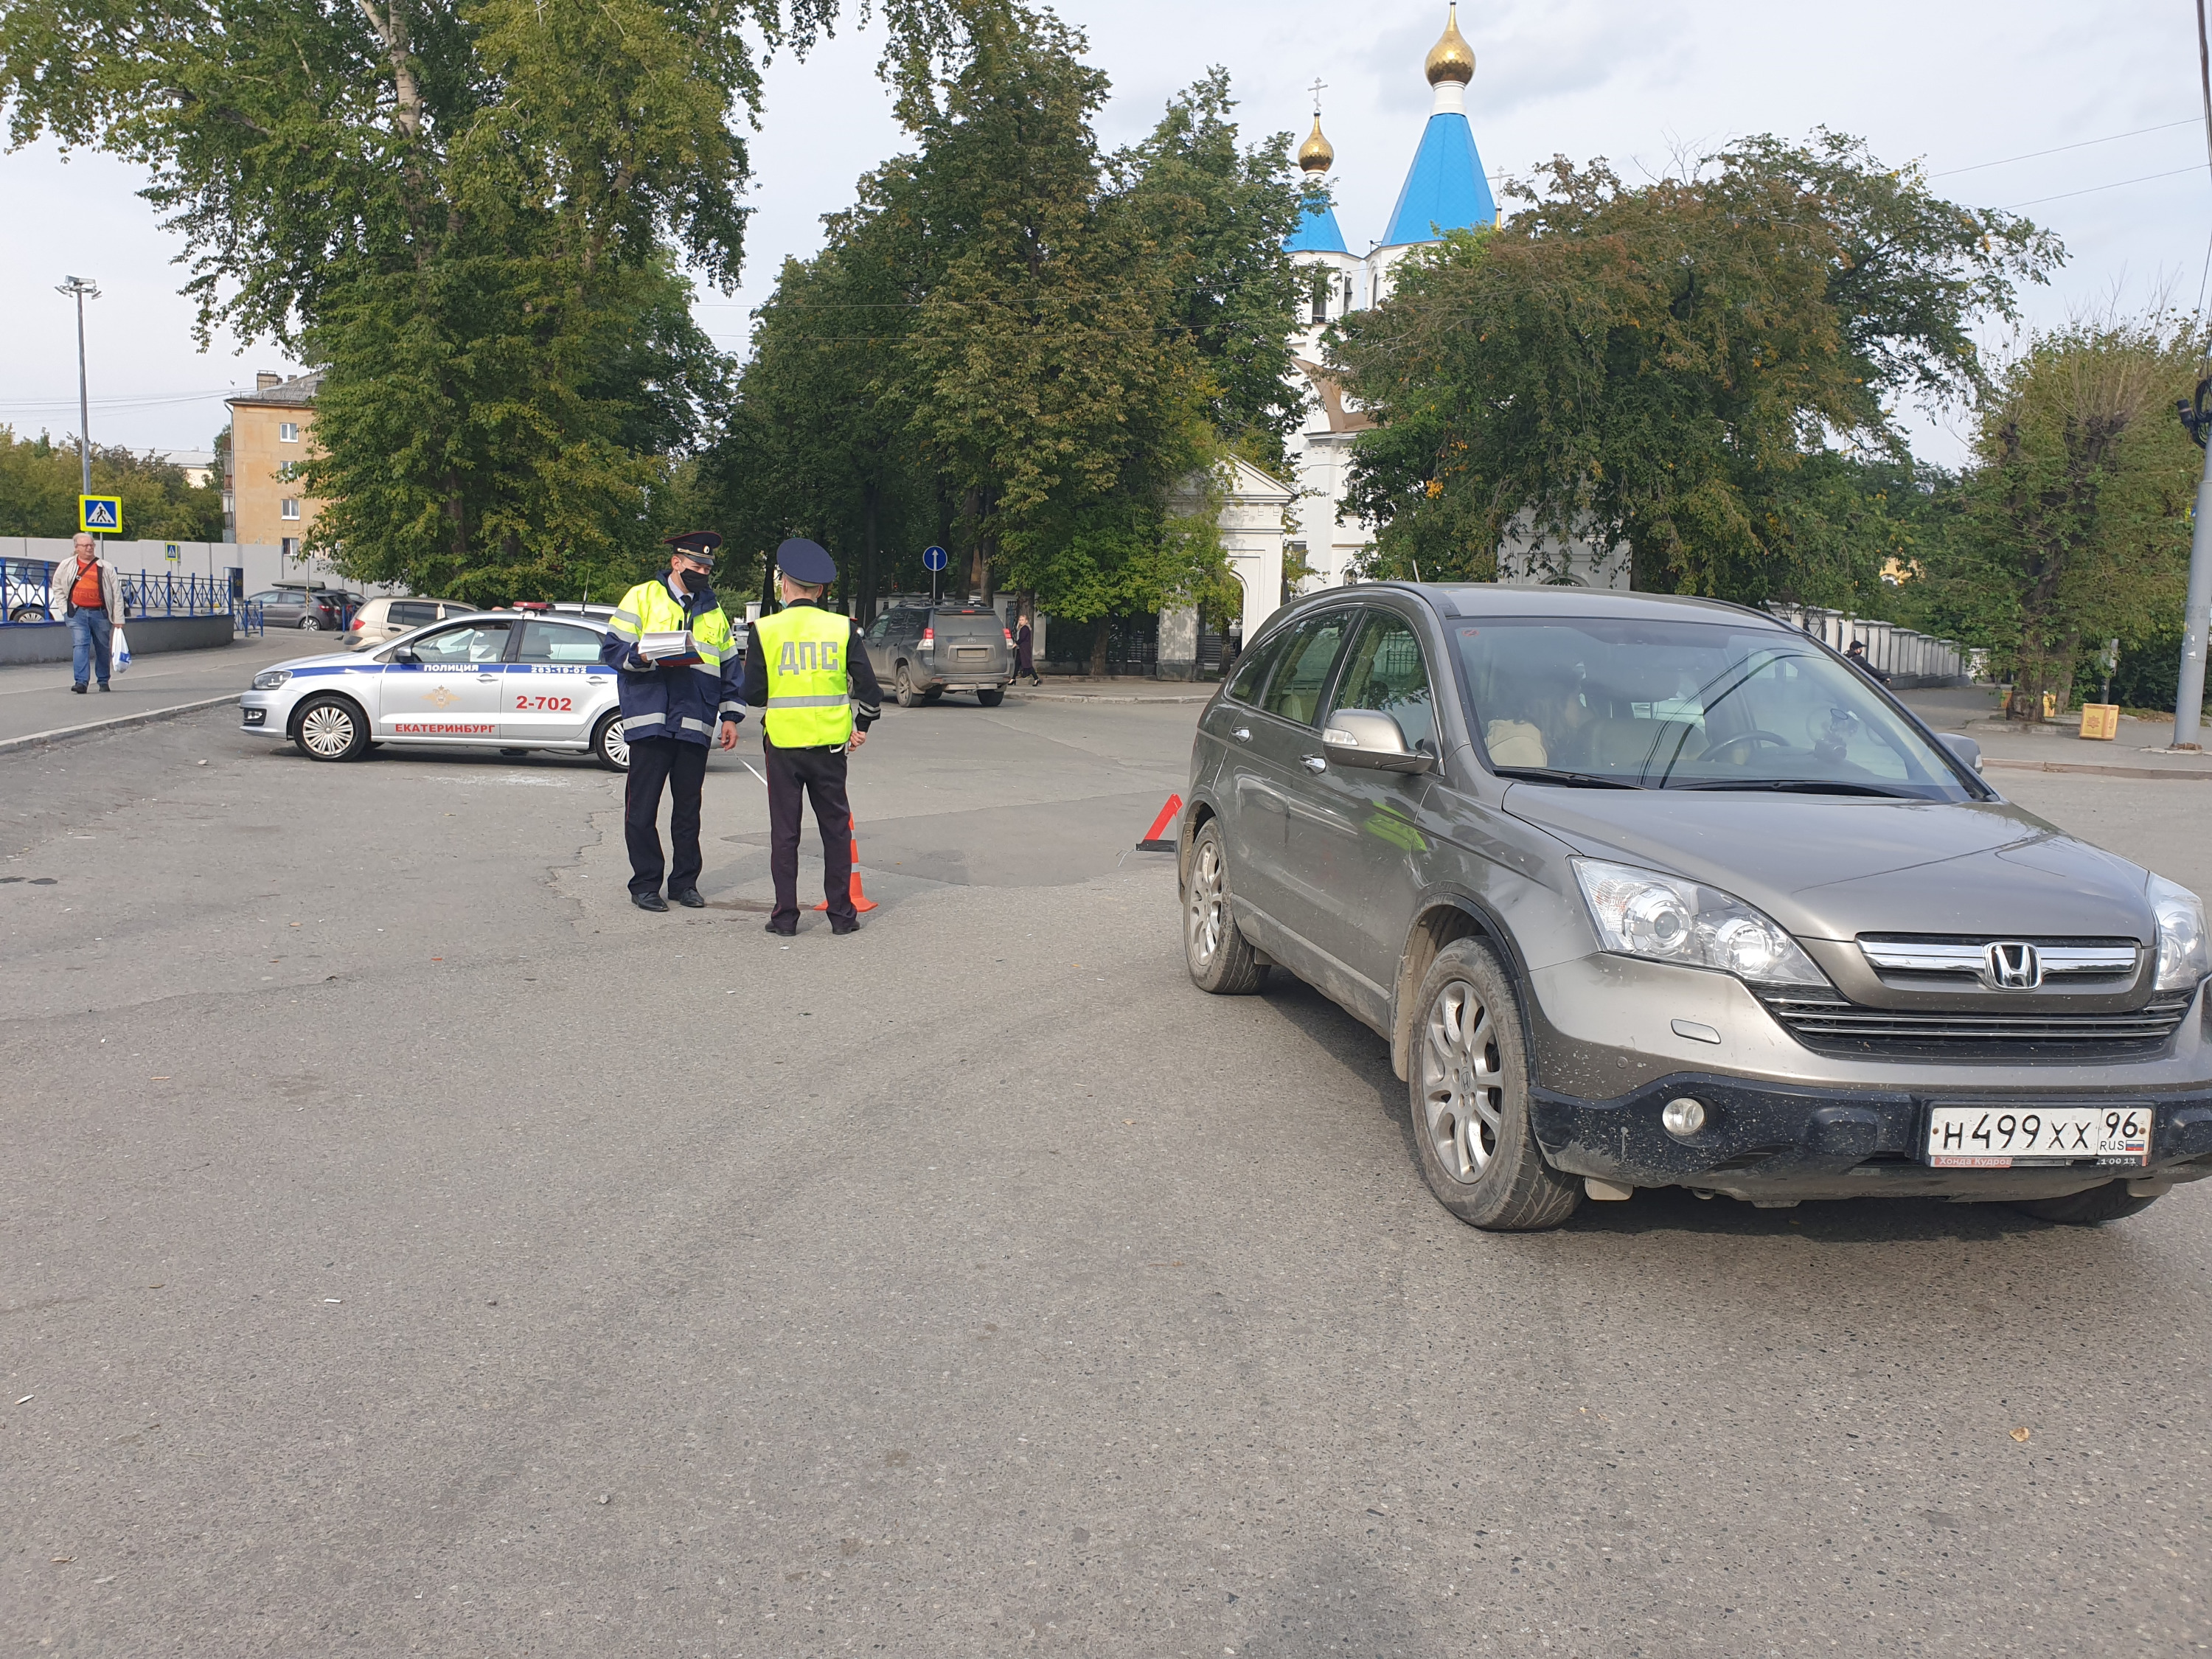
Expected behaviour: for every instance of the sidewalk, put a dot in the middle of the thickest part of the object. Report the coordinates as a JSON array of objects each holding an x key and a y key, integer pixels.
[
  {"x": 2139, "y": 750},
  {"x": 35, "y": 698}
]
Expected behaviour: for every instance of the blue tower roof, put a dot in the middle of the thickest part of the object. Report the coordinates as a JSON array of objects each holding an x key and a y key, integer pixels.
[
  {"x": 1445, "y": 187},
  {"x": 1317, "y": 232}
]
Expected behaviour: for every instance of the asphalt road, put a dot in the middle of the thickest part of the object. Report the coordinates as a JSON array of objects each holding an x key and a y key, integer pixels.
[{"x": 410, "y": 1247}]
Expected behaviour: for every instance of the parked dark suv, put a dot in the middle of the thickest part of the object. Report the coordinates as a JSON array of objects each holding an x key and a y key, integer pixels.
[
  {"x": 922, "y": 653},
  {"x": 311, "y": 609},
  {"x": 1647, "y": 891}
]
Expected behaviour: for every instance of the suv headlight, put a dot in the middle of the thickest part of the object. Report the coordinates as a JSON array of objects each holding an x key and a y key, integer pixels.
[
  {"x": 1641, "y": 913},
  {"x": 2183, "y": 956},
  {"x": 269, "y": 678}
]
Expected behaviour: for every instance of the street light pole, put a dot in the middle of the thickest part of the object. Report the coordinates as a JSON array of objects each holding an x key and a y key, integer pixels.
[
  {"x": 82, "y": 289},
  {"x": 2189, "y": 696},
  {"x": 2197, "y": 612}
]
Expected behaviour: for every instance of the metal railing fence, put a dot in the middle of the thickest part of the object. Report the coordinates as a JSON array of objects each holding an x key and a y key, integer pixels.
[{"x": 28, "y": 595}]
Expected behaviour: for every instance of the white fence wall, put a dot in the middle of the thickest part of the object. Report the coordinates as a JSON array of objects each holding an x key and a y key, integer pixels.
[{"x": 1909, "y": 658}]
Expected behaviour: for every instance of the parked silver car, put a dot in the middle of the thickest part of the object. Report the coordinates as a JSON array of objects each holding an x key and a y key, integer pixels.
[
  {"x": 383, "y": 619},
  {"x": 1646, "y": 891},
  {"x": 921, "y": 653}
]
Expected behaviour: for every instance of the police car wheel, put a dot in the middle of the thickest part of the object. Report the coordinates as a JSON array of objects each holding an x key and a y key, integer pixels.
[
  {"x": 608, "y": 746},
  {"x": 331, "y": 728}
]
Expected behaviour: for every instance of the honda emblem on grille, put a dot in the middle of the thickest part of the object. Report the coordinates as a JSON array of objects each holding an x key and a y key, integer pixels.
[{"x": 2009, "y": 965}]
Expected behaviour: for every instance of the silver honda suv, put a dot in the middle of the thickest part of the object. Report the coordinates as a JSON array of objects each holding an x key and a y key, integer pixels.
[{"x": 1646, "y": 891}]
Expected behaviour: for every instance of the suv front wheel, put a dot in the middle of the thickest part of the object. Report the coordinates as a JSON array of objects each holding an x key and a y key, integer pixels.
[
  {"x": 1469, "y": 1084},
  {"x": 1220, "y": 958}
]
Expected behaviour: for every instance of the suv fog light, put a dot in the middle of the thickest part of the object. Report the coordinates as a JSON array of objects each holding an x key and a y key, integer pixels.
[{"x": 1683, "y": 1117}]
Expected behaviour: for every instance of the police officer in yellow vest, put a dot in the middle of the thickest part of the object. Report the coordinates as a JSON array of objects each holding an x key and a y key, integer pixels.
[
  {"x": 807, "y": 672},
  {"x": 670, "y": 709}
]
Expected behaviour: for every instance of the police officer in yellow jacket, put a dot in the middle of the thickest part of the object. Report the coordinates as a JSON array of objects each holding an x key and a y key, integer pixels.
[
  {"x": 670, "y": 709},
  {"x": 807, "y": 672}
]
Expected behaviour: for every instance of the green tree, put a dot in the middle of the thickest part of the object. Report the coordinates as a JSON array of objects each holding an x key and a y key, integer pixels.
[
  {"x": 466, "y": 213},
  {"x": 1219, "y": 215},
  {"x": 39, "y": 481},
  {"x": 1027, "y": 351},
  {"x": 2073, "y": 525},
  {"x": 1683, "y": 370}
]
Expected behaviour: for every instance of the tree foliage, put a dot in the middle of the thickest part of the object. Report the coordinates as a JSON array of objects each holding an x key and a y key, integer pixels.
[
  {"x": 40, "y": 480},
  {"x": 1692, "y": 373},
  {"x": 1026, "y": 349},
  {"x": 2073, "y": 525},
  {"x": 466, "y": 213}
]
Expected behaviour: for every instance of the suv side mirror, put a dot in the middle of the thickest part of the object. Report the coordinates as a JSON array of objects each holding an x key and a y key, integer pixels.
[
  {"x": 1962, "y": 747},
  {"x": 1371, "y": 741}
]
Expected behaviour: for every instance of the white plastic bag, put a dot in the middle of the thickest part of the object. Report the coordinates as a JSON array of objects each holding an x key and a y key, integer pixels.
[{"x": 118, "y": 654}]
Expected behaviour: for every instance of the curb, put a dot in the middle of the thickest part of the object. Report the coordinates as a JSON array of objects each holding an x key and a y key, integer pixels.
[
  {"x": 1103, "y": 696},
  {"x": 141, "y": 718},
  {"x": 1989, "y": 762}
]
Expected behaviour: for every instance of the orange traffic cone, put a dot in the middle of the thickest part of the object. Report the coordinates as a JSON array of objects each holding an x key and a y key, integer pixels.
[{"x": 861, "y": 900}]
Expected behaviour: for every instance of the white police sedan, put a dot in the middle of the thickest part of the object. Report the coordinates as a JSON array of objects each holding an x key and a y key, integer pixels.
[{"x": 499, "y": 679}]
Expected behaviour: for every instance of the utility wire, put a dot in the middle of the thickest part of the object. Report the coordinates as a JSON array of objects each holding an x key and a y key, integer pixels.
[
  {"x": 148, "y": 401},
  {"x": 2110, "y": 137},
  {"x": 2116, "y": 184}
]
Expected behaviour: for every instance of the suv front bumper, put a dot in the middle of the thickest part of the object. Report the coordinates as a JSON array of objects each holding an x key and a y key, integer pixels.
[
  {"x": 1783, "y": 1142},
  {"x": 1613, "y": 1042}
]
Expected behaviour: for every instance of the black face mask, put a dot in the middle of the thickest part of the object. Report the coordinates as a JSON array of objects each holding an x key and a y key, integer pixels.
[{"x": 694, "y": 581}]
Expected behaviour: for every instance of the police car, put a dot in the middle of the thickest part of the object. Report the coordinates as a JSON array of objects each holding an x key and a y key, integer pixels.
[{"x": 501, "y": 679}]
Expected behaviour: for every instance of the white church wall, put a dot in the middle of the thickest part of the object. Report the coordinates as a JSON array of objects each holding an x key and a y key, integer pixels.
[{"x": 1528, "y": 560}]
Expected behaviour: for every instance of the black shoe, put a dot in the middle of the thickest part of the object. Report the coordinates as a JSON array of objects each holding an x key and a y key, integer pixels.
[
  {"x": 78, "y": 690},
  {"x": 689, "y": 899},
  {"x": 105, "y": 686},
  {"x": 841, "y": 928},
  {"x": 649, "y": 901},
  {"x": 791, "y": 932}
]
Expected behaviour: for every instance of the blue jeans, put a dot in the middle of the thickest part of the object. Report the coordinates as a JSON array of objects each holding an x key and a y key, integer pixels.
[{"x": 90, "y": 634}]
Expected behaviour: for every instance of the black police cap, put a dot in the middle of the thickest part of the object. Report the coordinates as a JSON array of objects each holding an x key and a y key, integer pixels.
[
  {"x": 699, "y": 545},
  {"x": 806, "y": 563}
]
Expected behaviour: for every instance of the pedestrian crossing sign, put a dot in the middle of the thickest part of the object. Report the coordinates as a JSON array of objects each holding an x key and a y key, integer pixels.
[{"x": 100, "y": 515}]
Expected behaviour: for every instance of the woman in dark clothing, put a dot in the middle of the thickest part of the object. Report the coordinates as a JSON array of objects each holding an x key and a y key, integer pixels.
[{"x": 1024, "y": 660}]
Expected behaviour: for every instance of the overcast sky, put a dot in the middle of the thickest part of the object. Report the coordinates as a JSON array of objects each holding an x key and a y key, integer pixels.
[{"x": 1638, "y": 81}]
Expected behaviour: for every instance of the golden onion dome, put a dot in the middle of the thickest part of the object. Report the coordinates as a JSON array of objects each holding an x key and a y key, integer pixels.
[
  {"x": 1314, "y": 155},
  {"x": 1451, "y": 59}
]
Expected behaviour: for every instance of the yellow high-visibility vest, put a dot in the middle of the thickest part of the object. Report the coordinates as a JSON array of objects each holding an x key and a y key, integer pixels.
[
  {"x": 810, "y": 703},
  {"x": 650, "y": 608}
]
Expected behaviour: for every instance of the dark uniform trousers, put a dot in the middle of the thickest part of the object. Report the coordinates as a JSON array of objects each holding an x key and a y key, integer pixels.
[
  {"x": 821, "y": 774},
  {"x": 682, "y": 768}
]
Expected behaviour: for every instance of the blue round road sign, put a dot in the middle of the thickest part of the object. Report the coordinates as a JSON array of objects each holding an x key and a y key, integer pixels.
[{"x": 934, "y": 558}]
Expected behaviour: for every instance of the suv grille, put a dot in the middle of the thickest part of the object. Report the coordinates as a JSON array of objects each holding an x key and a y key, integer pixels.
[{"x": 1826, "y": 1022}]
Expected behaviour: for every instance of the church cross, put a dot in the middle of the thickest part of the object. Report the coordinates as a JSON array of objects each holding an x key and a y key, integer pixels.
[{"x": 1316, "y": 90}]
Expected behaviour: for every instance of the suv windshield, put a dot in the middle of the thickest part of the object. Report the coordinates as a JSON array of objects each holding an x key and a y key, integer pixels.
[{"x": 1688, "y": 705}]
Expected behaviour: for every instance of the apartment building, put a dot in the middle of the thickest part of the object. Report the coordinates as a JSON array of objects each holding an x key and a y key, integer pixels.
[{"x": 270, "y": 428}]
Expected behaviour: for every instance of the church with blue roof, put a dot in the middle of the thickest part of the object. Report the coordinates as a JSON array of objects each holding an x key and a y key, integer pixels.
[{"x": 1445, "y": 189}]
